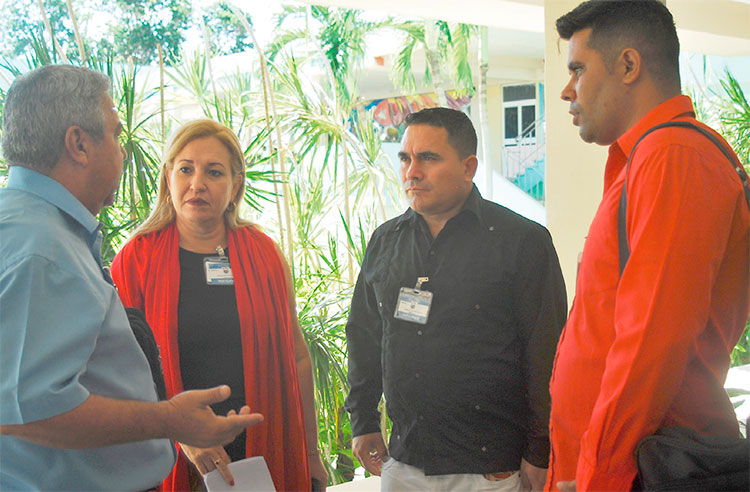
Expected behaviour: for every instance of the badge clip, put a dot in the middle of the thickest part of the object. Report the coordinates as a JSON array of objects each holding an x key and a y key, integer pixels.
[
  {"x": 413, "y": 304},
  {"x": 218, "y": 269}
]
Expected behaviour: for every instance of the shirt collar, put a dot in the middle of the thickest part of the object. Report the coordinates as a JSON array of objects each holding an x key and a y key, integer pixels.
[
  {"x": 51, "y": 191},
  {"x": 676, "y": 107},
  {"x": 471, "y": 206},
  {"x": 473, "y": 203}
]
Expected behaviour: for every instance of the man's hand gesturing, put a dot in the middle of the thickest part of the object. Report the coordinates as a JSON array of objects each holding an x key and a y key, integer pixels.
[{"x": 191, "y": 421}]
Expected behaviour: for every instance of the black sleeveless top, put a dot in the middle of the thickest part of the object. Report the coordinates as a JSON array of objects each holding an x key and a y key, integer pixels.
[{"x": 209, "y": 339}]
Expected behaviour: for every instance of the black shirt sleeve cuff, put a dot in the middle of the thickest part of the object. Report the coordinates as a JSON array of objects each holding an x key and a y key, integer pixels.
[
  {"x": 537, "y": 453},
  {"x": 365, "y": 423}
]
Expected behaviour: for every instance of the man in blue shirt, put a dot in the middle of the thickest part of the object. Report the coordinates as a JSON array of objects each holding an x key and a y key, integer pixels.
[{"x": 78, "y": 409}]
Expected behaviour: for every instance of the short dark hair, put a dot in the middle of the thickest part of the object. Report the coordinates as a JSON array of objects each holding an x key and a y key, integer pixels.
[
  {"x": 645, "y": 25},
  {"x": 40, "y": 107},
  {"x": 461, "y": 133}
]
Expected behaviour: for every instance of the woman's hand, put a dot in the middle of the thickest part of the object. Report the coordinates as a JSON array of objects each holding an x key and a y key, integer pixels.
[
  {"x": 209, "y": 459},
  {"x": 216, "y": 458}
]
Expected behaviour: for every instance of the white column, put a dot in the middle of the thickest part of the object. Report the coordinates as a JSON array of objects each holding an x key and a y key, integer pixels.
[{"x": 574, "y": 169}]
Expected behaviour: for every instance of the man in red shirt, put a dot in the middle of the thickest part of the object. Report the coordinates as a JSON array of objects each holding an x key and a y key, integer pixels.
[{"x": 649, "y": 347}]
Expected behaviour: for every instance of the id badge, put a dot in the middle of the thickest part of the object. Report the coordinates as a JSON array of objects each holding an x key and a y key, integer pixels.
[
  {"x": 413, "y": 304},
  {"x": 218, "y": 271}
]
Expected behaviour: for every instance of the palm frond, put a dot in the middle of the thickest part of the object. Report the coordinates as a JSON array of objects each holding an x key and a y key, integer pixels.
[
  {"x": 401, "y": 69},
  {"x": 735, "y": 116},
  {"x": 461, "y": 38}
]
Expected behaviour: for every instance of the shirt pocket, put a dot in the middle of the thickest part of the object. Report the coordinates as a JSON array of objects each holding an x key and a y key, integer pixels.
[
  {"x": 483, "y": 329},
  {"x": 485, "y": 299},
  {"x": 385, "y": 298}
]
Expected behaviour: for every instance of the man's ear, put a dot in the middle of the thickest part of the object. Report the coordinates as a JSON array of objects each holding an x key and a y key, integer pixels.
[
  {"x": 631, "y": 65},
  {"x": 470, "y": 167},
  {"x": 78, "y": 144}
]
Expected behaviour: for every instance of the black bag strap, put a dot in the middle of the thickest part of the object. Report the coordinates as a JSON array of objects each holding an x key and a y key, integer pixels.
[
  {"x": 145, "y": 338},
  {"x": 622, "y": 236}
]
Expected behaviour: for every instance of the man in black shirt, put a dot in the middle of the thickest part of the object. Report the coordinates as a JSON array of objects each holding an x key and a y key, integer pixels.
[{"x": 455, "y": 318}]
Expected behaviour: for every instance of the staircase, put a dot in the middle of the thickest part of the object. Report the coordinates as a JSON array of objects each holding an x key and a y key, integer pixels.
[
  {"x": 531, "y": 180},
  {"x": 523, "y": 160}
]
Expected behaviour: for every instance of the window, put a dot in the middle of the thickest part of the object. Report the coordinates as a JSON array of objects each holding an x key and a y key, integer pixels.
[
  {"x": 519, "y": 110},
  {"x": 511, "y": 122}
]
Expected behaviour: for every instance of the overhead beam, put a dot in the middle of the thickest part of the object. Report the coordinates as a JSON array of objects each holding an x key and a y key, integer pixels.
[{"x": 526, "y": 15}]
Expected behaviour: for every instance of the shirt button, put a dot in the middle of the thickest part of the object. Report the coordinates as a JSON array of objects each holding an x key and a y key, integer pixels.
[
  {"x": 492, "y": 228},
  {"x": 476, "y": 306},
  {"x": 484, "y": 449},
  {"x": 432, "y": 253},
  {"x": 477, "y": 407},
  {"x": 419, "y": 332},
  {"x": 380, "y": 304},
  {"x": 417, "y": 375},
  {"x": 398, "y": 436}
]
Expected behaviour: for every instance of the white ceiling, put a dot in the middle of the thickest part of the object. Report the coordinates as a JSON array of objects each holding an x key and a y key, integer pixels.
[
  {"x": 705, "y": 26},
  {"x": 517, "y": 39},
  {"x": 504, "y": 14}
]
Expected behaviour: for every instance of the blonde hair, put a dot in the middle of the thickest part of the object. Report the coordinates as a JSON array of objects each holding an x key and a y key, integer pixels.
[{"x": 164, "y": 212}]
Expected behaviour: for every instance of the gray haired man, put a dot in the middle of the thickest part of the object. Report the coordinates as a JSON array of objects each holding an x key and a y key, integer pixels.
[{"x": 78, "y": 408}]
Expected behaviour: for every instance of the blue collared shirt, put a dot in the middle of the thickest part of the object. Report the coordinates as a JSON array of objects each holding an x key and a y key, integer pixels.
[{"x": 63, "y": 336}]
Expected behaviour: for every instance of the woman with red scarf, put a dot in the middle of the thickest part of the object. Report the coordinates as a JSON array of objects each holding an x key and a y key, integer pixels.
[{"x": 218, "y": 295}]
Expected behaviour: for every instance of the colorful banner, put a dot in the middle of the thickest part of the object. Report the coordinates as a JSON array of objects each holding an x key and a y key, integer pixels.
[{"x": 391, "y": 112}]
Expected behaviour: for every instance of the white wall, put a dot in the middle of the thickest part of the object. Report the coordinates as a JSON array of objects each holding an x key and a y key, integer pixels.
[{"x": 575, "y": 170}]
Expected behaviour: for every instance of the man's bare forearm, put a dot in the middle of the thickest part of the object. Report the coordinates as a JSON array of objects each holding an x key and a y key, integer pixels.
[
  {"x": 98, "y": 421},
  {"x": 101, "y": 421}
]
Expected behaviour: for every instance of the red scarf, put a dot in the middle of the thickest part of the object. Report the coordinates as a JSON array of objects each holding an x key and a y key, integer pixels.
[{"x": 147, "y": 274}]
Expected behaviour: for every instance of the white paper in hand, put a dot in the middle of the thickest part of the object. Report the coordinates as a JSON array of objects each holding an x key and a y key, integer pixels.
[{"x": 250, "y": 475}]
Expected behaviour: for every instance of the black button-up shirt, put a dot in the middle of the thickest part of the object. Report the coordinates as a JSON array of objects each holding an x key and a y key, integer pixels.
[{"x": 467, "y": 392}]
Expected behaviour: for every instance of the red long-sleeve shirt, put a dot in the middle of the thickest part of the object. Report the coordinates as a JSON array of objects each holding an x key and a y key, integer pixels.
[{"x": 652, "y": 348}]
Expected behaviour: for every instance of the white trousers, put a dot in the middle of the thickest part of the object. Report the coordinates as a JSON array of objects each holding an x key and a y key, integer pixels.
[{"x": 400, "y": 477}]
